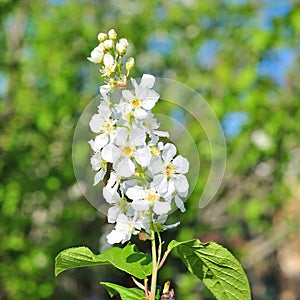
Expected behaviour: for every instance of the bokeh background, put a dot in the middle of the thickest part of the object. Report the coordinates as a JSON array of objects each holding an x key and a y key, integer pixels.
[{"x": 242, "y": 56}]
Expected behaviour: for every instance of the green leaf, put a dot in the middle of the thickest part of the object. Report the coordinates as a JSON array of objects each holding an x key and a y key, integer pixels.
[
  {"x": 125, "y": 293},
  {"x": 216, "y": 267},
  {"x": 127, "y": 259}
]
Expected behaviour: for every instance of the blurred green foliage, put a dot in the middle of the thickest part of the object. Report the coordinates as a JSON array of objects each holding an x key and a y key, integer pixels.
[{"x": 242, "y": 56}]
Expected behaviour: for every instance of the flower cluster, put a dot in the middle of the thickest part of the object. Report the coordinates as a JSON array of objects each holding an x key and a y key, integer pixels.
[
  {"x": 145, "y": 177},
  {"x": 110, "y": 54}
]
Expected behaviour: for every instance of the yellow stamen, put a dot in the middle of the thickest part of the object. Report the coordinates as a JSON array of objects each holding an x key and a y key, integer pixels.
[
  {"x": 170, "y": 170},
  {"x": 155, "y": 151},
  {"x": 136, "y": 102},
  {"x": 127, "y": 151},
  {"x": 106, "y": 126},
  {"x": 151, "y": 197}
]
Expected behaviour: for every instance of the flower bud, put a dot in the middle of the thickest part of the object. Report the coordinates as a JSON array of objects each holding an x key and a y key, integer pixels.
[
  {"x": 121, "y": 49},
  {"x": 124, "y": 42},
  {"x": 108, "y": 60},
  {"x": 100, "y": 47},
  {"x": 108, "y": 44},
  {"x": 112, "y": 34},
  {"x": 109, "y": 65},
  {"x": 102, "y": 37},
  {"x": 122, "y": 80},
  {"x": 129, "y": 64},
  {"x": 96, "y": 56}
]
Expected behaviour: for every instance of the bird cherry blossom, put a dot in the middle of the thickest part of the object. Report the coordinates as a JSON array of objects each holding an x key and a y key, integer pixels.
[{"x": 145, "y": 176}]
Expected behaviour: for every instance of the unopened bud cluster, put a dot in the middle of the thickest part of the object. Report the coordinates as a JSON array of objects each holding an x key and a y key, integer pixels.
[{"x": 110, "y": 55}]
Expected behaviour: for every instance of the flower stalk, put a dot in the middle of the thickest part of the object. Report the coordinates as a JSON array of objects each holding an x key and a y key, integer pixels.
[{"x": 154, "y": 266}]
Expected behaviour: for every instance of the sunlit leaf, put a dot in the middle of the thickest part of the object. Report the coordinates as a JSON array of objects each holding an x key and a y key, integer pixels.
[
  {"x": 127, "y": 259},
  {"x": 216, "y": 267}
]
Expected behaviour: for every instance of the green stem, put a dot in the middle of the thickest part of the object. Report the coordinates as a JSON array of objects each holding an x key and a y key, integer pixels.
[
  {"x": 154, "y": 260},
  {"x": 159, "y": 249},
  {"x": 154, "y": 266}
]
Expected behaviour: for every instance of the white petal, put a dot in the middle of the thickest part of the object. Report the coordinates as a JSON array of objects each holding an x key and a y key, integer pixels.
[
  {"x": 147, "y": 81},
  {"x": 111, "y": 195},
  {"x": 112, "y": 181},
  {"x": 168, "y": 152},
  {"x": 123, "y": 109},
  {"x": 165, "y": 227},
  {"x": 96, "y": 122},
  {"x": 125, "y": 167},
  {"x": 108, "y": 60},
  {"x": 153, "y": 139},
  {"x": 140, "y": 205},
  {"x": 92, "y": 144},
  {"x": 104, "y": 90},
  {"x": 181, "y": 183},
  {"x": 161, "y": 208},
  {"x": 141, "y": 92},
  {"x": 137, "y": 137},
  {"x": 134, "y": 83},
  {"x": 96, "y": 56},
  {"x": 121, "y": 136},
  {"x": 110, "y": 153},
  {"x": 115, "y": 237},
  {"x": 156, "y": 165},
  {"x": 140, "y": 113},
  {"x": 136, "y": 193},
  {"x": 150, "y": 99},
  {"x": 99, "y": 176},
  {"x": 161, "y": 133},
  {"x": 143, "y": 156},
  {"x": 127, "y": 236},
  {"x": 160, "y": 183},
  {"x": 128, "y": 95},
  {"x": 96, "y": 161},
  {"x": 112, "y": 214},
  {"x": 101, "y": 141},
  {"x": 171, "y": 188},
  {"x": 181, "y": 164},
  {"x": 104, "y": 111},
  {"x": 123, "y": 220},
  {"x": 179, "y": 203}
]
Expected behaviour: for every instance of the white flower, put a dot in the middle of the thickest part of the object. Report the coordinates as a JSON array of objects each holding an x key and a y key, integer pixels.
[
  {"x": 150, "y": 125},
  {"x": 112, "y": 196},
  {"x": 144, "y": 198},
  {"x": 125, "y": 227},
  {"x": 143, "y": 99},
  {"x": 97, "y": 123},
  {"x": 98, "y": 165},
  {"x": 168, "y": 174},
  {"x": 104, "y": 125},
  {"x": 122, "y": 152}
]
